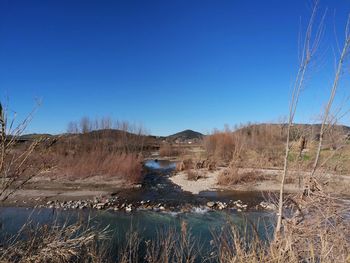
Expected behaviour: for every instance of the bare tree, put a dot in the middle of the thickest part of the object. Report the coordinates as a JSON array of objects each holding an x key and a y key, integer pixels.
[
  {"x": 309, "y": 48},
  {"x": 327, "y": 112},
  {"x": 85, "y": 125},
  {"x": 106, "y": 123},
  {"x": 15, "y": 168},
  {"x": 72, "y": 127}
]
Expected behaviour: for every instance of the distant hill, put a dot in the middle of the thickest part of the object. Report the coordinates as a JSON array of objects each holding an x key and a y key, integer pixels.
[
  {"x": 34, "y": 136},
  {"x": 108, "y": 136},
  {"x": 310, "y": 131},
  {"x": 185, "y": 136}
]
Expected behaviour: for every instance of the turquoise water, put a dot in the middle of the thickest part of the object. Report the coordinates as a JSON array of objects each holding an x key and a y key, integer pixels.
[{"x": 200, "y": 223}]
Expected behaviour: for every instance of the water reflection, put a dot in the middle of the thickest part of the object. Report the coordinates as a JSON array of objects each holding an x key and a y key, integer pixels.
[{"x": 160, "y": 164}]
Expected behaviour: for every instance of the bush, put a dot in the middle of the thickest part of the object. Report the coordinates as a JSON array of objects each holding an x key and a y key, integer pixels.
[
  {"x": 251, "y": 145},
  {"x": 231, "y": 176},
  {"x": 108, "y": 153},
  {"x": 220, "y": 146},
  {"x": 193, "y": 175},
  {"x": 168, "y": 150},
  {"x": 185, "y": 165},
  {"x": 125, "y": 166}
]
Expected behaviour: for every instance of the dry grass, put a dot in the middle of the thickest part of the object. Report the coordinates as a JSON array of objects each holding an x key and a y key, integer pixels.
[
  {"x": 169, "y": 246},
  {"x": 185, "y": 165},
  {"x": 126, "y": 166},
  {"x": 188, "y": 164},
  {"x": 251, "y": 145},
  {"x": 54, "y": 243},
  {"x": 167, "y": 150},
  {"x": 314, "y": 230},
  {"x": 232, "y": 176},
  {"x": 262, "y": 146},
  {"x": 194, "y": 174},
  {"x": 107, "y": 153},
  {"x": 233, "y": 246},
  {"x": 220, "y": 146}
]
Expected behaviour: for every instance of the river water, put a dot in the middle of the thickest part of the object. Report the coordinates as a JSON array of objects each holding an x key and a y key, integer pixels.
[{"x": 200, "y": 221}]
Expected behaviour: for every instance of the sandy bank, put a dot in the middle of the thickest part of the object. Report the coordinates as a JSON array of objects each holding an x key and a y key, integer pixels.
[
  {"x": 42, "y": 189},
  {"x": 202, "y": 184},
  {"x": 337, "y": 183}
]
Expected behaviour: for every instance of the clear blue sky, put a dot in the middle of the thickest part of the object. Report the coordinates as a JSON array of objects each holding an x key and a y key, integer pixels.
[{"x": 170, "y": 65}]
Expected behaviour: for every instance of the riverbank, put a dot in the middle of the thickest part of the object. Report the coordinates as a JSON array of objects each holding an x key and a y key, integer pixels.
[
  {"x": 269, "y": 182},
  {"x": 41, "y": 190},
  {"x": 157, "y": 193},
  {"x": 163, "y": 185}
]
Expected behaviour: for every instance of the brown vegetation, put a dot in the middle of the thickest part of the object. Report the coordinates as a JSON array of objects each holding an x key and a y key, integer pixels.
[
  {"x": 313, "y": 189},
  {"x": 127, "y": 166},
  {"x": 189, "y": 163},
  {"x": 263, "y": 145},
  {"x": 221, "y": 146},
  {"x": 231, "y": 176},
  {"x": 111, "y": 153},
  {"x": 107, "y": 152},
  {"x": 169, "y": 150},
  {"x": 16, "y": 166},
  {"x": 55, "y": 243},
  {"x": 251, "y": 145},
  {"x": 194, "y": 174},
  {"x": 309, "y": 237},
  {"x": 185, "y": 165}
]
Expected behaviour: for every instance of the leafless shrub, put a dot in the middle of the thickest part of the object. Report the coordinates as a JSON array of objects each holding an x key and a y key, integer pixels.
[
  {"x": 220, "y": 146},
  {"x": 210, "y": 165},
  {"x": 229, "y": 176},
  {"x": 126, "y": 136},
  {"x": 185, "y": 165},
  {"x": 99, "y": 148},
  {"x": 167, "y": 149},
  {"x": 126, "y": 166},
  {"x": 16, "y": 168},
  {"x": 194, "y": 174},
  {"x": 232, "y": 176},
  {"x": 250, "y": 145}
]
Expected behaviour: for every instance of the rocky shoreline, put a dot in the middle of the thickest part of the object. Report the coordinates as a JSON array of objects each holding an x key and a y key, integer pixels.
[
  {"x": 157, "y": 193},
  {"x": 116, "y": 203}
]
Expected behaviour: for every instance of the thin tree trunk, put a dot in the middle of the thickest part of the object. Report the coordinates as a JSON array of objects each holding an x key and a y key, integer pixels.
[
  {"x": 307, "y": 53},
  {"x": 330, "y": 101},
  {"x": 294, "y": 103}
]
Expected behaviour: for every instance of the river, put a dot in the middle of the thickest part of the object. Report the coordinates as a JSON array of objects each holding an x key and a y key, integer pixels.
[{"x": 201, "y": 221}]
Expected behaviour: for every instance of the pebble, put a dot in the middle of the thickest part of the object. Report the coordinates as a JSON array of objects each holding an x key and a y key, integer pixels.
[
  {"x": 210, "y": 204},
  {"x": 268, "y": 206},
  {"x": 114, "y": 203}
]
